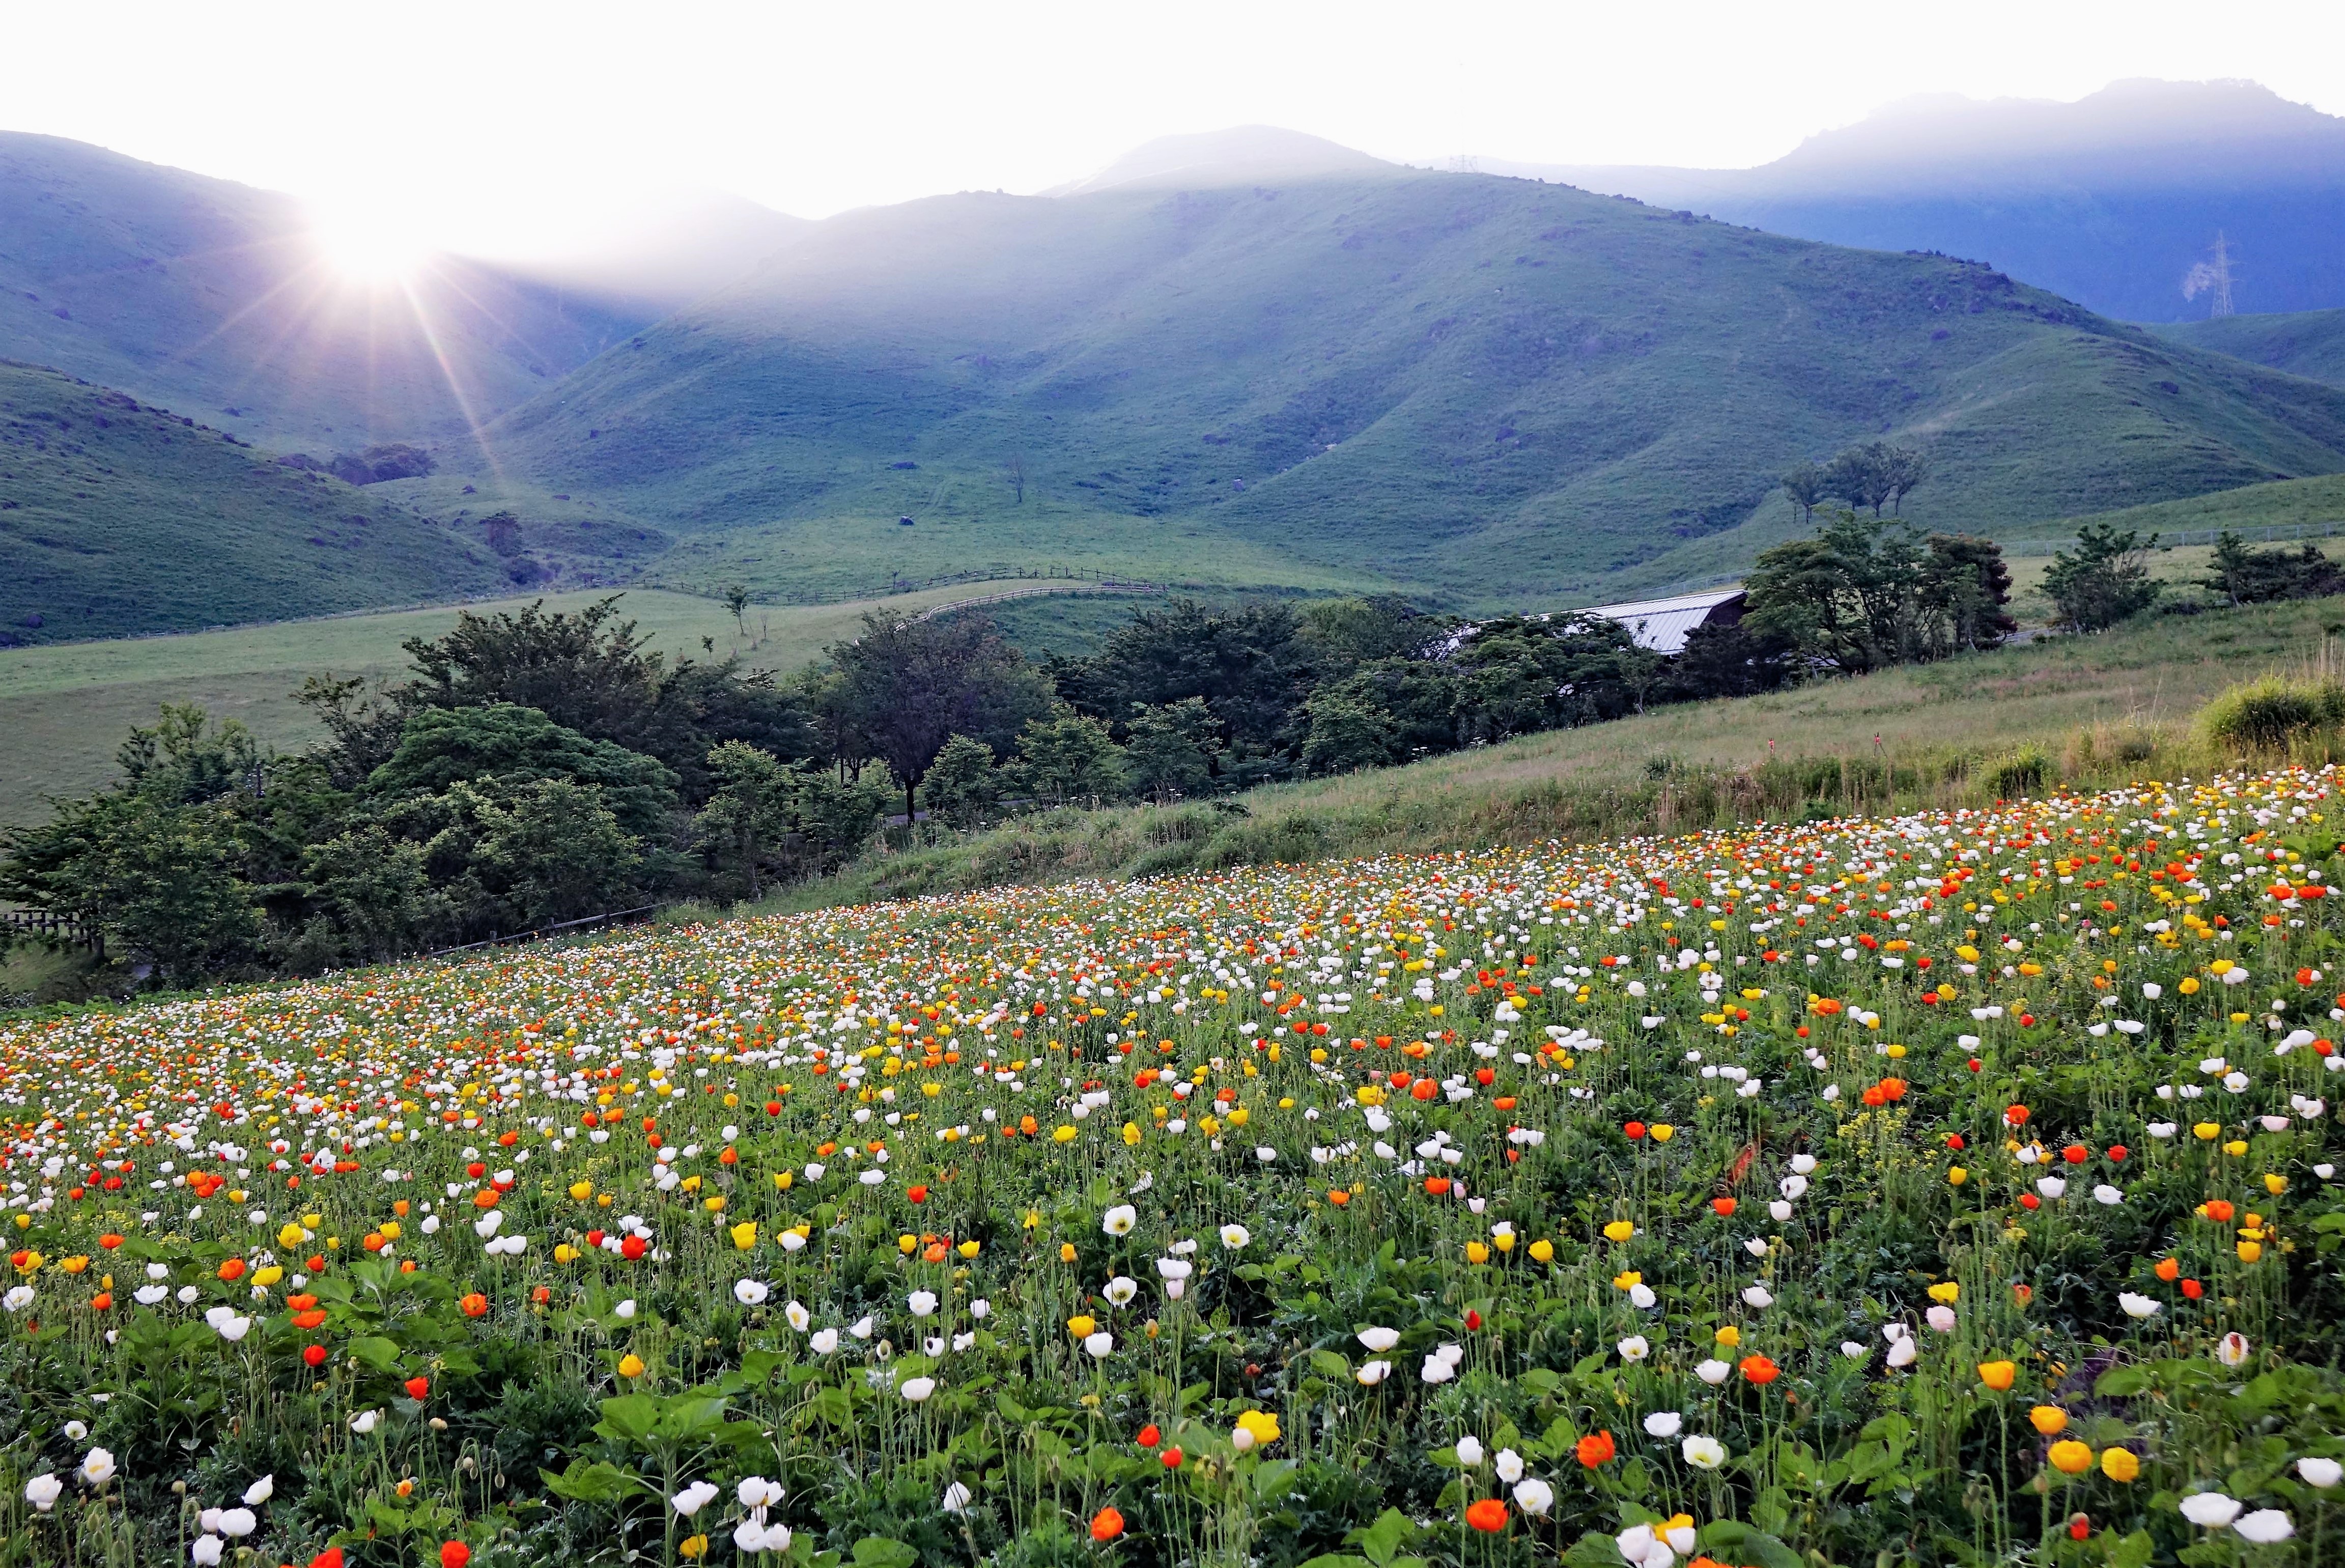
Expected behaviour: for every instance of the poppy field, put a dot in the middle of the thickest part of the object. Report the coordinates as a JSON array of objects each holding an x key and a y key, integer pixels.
[{"x": 1955, "y": 1189}]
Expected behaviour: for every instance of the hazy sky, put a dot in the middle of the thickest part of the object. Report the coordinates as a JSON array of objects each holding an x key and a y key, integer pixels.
[{"x": 489, "y": 127}]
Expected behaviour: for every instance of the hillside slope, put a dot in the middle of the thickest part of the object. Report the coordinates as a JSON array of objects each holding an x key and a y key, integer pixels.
[
  {"x": 213, "y": 296},
  {"x": 2110, "y": 200},
  {"x": 1486, "y": 389},
  {"x": 117, "y": 517},
  {"x": 2309, "y": 343}
]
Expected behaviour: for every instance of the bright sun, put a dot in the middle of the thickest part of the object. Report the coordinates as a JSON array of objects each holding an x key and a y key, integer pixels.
[{"x": 369, "y": 246}]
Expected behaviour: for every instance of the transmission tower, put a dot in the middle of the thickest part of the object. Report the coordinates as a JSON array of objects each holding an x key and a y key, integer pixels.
[{"x": 2219, "y": 282}]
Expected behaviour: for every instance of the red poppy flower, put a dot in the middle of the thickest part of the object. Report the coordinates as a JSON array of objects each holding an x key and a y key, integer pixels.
[
  {"x": 1489, "y": 1515},
  {"x": 1149, "y": 1436},
  {"x": 1761, "y": 1370},
  {"x": 418, "y": 1387},
  {"x": 1106, "y": 1524},
  {"x": 1595, "y": 1449},
  {"x": 454, "y": 1555}
]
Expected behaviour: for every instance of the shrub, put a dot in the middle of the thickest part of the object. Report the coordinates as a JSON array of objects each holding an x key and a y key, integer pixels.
[
  {"x": 2022, "y": 771},
  {"x": 2272, "y": 714}
]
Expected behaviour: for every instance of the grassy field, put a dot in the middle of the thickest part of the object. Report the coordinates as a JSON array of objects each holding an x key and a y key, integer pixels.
[
  {"x": 2086, "y": 710},
  {"x": 65, "y": 708}
]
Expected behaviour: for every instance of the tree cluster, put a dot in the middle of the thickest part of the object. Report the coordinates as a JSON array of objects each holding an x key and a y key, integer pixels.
[
  {"x": 1864, "y": 593},
  {"x": 1867, "y": 476},
  {"x": 532, "y": 768}
]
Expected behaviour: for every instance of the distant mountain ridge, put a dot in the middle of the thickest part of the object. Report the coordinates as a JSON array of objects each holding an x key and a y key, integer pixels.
[
  {"x": 2309, "y": 343},
  {"x": 1463, "y": 386},
  {"x": 2109, "y": 200}
]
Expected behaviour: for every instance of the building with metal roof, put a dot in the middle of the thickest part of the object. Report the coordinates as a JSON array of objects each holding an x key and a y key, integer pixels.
[{"x": 1661, "y": 625}]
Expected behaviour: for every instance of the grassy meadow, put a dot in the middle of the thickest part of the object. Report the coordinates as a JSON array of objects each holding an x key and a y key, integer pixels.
[{"x": 65, "y": 708}]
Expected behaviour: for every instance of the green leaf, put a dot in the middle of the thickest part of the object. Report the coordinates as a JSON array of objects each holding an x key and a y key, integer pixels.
[
  {"x": 2134, "y": 1551},
  {"x": 601, "y": 1481},
  {"x": 1748, "y": 1545},
  {"x": 629, "y": 1418},
  {"x": 884, "y": 1551},
  {"x": 1541, "y": 1380},
  {"x": 1382, "y": 1541},
  {"x": 376, "y": 1353},
  {"x": 834, "y": 1406},
  {"x": 1331, "y": 1364},
  {"x": 2121, "y": 1383}
]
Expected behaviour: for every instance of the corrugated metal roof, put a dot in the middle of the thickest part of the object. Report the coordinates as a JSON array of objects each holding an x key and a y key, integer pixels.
[{"x": 1661, "y": 625}]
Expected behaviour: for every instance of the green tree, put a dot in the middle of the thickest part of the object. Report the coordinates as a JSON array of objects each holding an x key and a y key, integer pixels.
[
  {"x": 1169, "y": 749},
  {"x": 962, "y": 783},
  {"x": 160, "y": 880},
  {"x": 1349, "y": 731},
  {"x": 1249, "y": 664},
  {"x": 2106, "y": 581},
  {"x": 555, "y": 850},
  {"x": 2247, "y": 576},
  {"x": 1068, "y": 756},
  {"x": 835, "y": 815},
  {"x": 1805, "y": 486},
  {"x": 1965, "y": 585},
  {"x": 750, "y": 811},
  {"x": 1849, "y": 597},
  {"x": 437, "y": 747},
  {"x": 905, "y": 687}
]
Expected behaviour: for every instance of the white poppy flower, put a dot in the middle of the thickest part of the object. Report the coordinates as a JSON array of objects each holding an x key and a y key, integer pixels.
[
  {"x": 1378, "y": 1339},
  {"x": 261, "y": 1491},
  {"x": 921, "y": 1303},
  {"x": 2264, "y": 1527},
  {"x": 238, "y": 1523},
  {"x": 43, "y": 1489},
  {"x": 1663, "y": 1423},
  {"x": 2210, "y": 1510},
  {"x": 1120, "y": 1219},
  {"x": 2324, "y": 1474},
  {"x": 917, "y": 1390},
  {"x": 693, "y": 1498},
  {"x": 205, "y": 1551},
  {"x": 2139, "y": 1306},
  {"x": 1436, "y": 1370},
  {"x": 1235, "y": 1237},
  {"x": 1469, "y": 1451},
  {"x": 1713, "y": 1371},
  {"x": 1634, "y": 1348},
  {"x": 1758, "y": 1296},
  {"x": 1703, "y": 1453},
  {"x": 1533, "y": 1496},
  {"x": 798, "y": 1316},
  {"x": 365, "y": 1422},
  {"x": 1371, "y": 1373},
  {"x": 749, "y": 1292},
  {"x": 824, "y": 1341},
  {"x": 97, "y": 1467},
  {"x": 1121, "y": 1289}
]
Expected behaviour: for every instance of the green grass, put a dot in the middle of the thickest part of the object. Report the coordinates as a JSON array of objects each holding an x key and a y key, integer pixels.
[
  {"x": 63, "y": 709},
  {"x": 2280, "y": 503},
  {"x": 2097, "y": 710},
  {"x": 2309, "y": 343},
  {"x": 117, "y": 517},
  {"x": 1491, "y": 393}
]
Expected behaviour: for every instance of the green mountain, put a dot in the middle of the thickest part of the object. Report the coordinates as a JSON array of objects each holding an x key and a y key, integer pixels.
[
  {"x": 2309, "y": 343},
  {"x": 1488, "y": 390},
  {"x": 117, "y": 517},
  {"x": 214, "y": 297}
]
